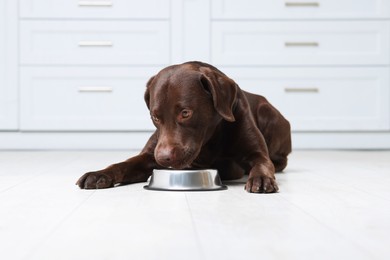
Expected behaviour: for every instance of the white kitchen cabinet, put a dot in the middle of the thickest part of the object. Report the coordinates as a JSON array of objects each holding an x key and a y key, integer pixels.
[
  {"x": 292, "y": 9},
  {"x": 8, "y": 66},
  {"x": 73, "y": 73},
  {"x": 324, "y": 64},
  {"x": 300, "y": 43},
  {"x": 94, "y": 42},
  {"x": 84, "y": 99},
  {"x": 317, "y": 99},
  {"x": 84, "y": 65},
  {"x": 95, "y": 9}
]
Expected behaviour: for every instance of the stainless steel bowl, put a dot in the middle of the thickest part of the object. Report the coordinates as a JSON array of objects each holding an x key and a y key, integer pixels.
[{"x": 185, "y": 180}]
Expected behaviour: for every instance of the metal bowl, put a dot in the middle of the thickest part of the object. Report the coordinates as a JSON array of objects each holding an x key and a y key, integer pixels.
[{"x": 185, "y": 180}]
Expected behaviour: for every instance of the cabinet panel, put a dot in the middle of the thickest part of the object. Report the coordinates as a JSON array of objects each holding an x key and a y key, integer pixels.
[
  {"x": 323, "y": 99},
  {"x": 112, "y": 9},
  {"x": 286, "y": 9},
  {"x": 8, "y": 65},
  {"x": 78, "y": 98},
  {"x": 301, "y": 43},
  {"x": 95, "y": 42}
]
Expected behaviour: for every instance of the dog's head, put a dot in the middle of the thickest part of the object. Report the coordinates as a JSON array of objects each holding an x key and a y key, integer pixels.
[{"x": 187, "y": 102}]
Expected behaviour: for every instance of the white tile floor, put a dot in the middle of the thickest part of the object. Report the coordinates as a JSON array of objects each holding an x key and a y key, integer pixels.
[{"x": 331, "y": 205}]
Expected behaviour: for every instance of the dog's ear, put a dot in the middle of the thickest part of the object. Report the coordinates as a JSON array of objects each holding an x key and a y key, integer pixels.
[
  {"x": 147, "y": 91},
  {"x": 222, "y": 89}
]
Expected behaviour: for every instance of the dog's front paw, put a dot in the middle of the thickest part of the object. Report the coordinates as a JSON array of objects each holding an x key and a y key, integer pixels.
[
  {"x": 95, "y": 180},
  {"x": 261, "y": 184}
]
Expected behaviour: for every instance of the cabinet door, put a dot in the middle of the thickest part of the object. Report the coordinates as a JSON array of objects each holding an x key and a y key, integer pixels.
[
  {"x": 300, "y": 43},
  {"x": 85, "y": 99},
  {"x": 323, "y": 99},
  {"x": 95, "y": 9},
  {"x": 292, "y": 9},
  {"x": 8, "y": 65},
  {"x": 94, "y": 42}
]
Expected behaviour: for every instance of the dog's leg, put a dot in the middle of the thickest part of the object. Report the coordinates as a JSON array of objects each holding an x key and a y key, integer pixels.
[
  {"x": 135, "y": 169},
  {"x": 279, "y": 161},
  {"x": 229, "y": 170},
  {"x": 262, "y": 178}
]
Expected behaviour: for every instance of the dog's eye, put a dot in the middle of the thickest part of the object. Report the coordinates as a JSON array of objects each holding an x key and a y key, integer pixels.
[{"x": 186, "y": 113}]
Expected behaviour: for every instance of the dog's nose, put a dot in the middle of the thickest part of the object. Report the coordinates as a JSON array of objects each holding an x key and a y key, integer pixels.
[{"x": 165, "y": 157}]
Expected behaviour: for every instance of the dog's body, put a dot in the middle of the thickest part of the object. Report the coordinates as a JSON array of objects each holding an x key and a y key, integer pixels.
[{"x": 204, "y": 120}]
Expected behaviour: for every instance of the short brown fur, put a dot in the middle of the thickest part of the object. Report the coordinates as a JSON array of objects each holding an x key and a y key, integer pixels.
[{"x": 204, "y": 120}]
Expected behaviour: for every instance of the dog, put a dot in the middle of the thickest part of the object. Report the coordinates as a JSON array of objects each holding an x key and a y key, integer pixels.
[{"x": 204, "y": 120}]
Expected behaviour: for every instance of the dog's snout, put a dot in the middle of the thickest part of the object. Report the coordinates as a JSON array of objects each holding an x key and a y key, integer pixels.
[{"x": 165, "y": 156}]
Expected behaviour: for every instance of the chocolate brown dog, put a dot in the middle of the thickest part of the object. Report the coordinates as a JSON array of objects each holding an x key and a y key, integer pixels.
[{"x": 204, "y": 120}]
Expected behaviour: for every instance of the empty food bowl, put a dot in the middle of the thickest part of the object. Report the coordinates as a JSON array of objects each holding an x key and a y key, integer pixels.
[{"x": 185, "y": 180}]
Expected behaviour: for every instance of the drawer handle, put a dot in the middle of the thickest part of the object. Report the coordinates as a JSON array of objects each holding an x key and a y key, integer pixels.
[
  {"x": 95, "y": 44},
  {"x": 95, "y": 3},
  {"x": 301, "y": 90},
  {"x": 302, "y": 4},
  {"x": 301, "y": 44},
  {"x": 95, "y": 89}
]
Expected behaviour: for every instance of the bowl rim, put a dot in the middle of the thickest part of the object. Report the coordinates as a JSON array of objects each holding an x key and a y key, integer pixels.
[{"x": 186, "y": 189}]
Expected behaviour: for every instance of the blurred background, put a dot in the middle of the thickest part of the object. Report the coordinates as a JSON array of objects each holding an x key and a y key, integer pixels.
[{"x": 73, "y": 73}]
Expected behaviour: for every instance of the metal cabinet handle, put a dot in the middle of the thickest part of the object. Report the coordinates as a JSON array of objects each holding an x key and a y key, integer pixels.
[
  {"x": 301, "y": 90},
  {"x": 302, "y": 4},
  {"x": 95, "y": 3},
  {"x": 95, "y": 89},
  {"x": 96, "y": 44},
  {"x": 301, "y": 44}
]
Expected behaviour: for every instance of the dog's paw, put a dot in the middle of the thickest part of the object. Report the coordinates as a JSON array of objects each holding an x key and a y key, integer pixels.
[
  {"x": 261, "y": 184},
  {"x": 95, "y": 180}
]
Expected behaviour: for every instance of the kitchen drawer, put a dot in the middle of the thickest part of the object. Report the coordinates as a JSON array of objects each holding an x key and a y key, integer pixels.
[
  {"x": 301, "y": 43},
  {"x": 79, "y": 98},
  {"x": 95, "y": 42},
  {"x": 111, "y": 9},
  {"x": 297, "y": 9},
  {"x": 323, "y": 99}
]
